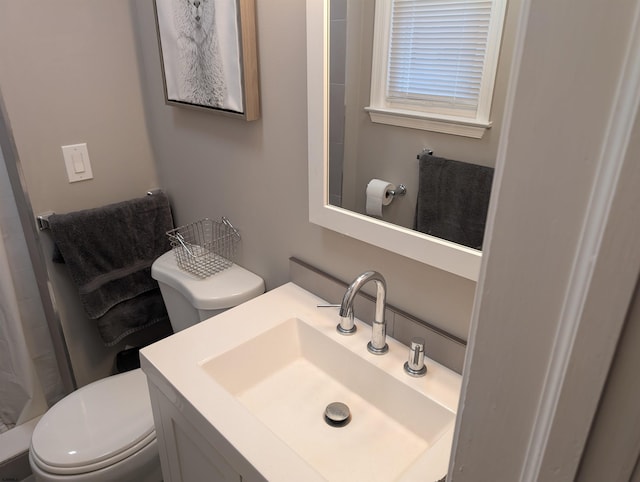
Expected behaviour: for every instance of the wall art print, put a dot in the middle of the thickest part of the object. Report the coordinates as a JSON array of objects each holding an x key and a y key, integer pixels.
[{"x": 209, "y": 55}]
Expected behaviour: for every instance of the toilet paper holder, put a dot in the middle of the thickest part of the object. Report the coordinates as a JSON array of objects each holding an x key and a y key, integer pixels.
[{"x": 401, "y": 190}]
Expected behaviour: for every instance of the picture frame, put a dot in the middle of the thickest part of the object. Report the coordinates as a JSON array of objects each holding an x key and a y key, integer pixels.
[{"x": 209, "y": 56}]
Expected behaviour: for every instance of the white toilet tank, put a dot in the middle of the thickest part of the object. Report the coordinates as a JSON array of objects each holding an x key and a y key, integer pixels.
[{"x": 190, "y": 299}]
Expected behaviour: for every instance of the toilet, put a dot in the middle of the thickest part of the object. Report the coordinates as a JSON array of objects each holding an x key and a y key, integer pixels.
[{"x": 104, "y": 432}]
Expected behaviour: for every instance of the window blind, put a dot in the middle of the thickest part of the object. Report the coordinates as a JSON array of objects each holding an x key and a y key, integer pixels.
[{"x": 437, "y": 51}]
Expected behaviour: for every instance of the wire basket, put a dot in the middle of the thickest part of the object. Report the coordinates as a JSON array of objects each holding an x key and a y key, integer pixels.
[{"x": 205, "y": 247}]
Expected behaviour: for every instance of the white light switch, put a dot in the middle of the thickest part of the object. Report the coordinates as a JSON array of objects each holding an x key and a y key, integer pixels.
[{"x": 76, "y": 158}]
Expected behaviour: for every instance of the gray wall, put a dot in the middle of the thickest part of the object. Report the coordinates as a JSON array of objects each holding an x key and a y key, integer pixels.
[
  {"x": 69, "y": 75},
  {"x": 609, "y": 456},
  {"x": 89, "y": 71},
  {"x": 256, "y": 174}
]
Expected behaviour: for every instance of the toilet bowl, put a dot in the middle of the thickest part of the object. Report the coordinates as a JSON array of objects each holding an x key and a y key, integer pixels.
[
  {"x": 104, "y": 432},
  {"x": 101, "y": 432}
]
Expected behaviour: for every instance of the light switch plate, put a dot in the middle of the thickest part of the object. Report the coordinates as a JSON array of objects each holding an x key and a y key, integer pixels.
[{"x": 76, "y": 159}]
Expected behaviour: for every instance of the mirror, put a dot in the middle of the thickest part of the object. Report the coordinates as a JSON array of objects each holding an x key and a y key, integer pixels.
[{"x": 385, "y": 152}]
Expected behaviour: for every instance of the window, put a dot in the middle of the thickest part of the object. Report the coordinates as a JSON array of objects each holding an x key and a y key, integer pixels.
[{"x": 434, "y": 64}]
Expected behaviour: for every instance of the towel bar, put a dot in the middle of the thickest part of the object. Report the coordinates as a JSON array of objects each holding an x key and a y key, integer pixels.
[
  {"x": 424, "y": 151},
  {"x": 42, "y": 220}
]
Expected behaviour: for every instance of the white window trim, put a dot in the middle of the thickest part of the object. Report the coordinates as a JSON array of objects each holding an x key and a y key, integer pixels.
[{"x": 384, "y": 112}]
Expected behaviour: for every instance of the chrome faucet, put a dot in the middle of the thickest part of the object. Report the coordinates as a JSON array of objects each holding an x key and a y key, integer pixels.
[{"x": 378, "y": 344}]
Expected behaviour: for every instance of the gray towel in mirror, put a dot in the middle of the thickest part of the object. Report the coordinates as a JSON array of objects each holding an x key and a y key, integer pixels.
[
  {"x": 108, "y": 252},
  {"x": 453, "y": 199}
]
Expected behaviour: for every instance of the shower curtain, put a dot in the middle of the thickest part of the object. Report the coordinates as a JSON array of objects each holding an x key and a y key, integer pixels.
[{"x": 29, "y": 376}]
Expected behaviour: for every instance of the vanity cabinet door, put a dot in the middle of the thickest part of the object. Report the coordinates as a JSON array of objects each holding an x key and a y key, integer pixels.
[
  {"x": 198, "y": 461},
  {"x": 185, "y": 455}
]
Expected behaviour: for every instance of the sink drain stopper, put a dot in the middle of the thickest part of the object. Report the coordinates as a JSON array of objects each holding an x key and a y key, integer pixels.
[{"x": 337, "y": 414}]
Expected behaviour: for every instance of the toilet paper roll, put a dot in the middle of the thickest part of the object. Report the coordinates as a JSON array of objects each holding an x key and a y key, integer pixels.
[{"x": 378, "y": 195}]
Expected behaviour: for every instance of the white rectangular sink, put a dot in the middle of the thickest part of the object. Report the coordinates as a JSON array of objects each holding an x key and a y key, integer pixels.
[
  {"x": 261, "y": 375},
  {"x": 288, "y": 375}
]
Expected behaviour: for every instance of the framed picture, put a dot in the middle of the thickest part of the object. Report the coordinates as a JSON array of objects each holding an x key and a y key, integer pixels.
[{"x": 209, "y": 55}]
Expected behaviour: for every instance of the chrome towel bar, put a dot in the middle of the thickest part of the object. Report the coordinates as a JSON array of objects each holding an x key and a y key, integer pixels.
[
  {"x": 424, "y": 151},
  {"x": 42, "y": 219}
]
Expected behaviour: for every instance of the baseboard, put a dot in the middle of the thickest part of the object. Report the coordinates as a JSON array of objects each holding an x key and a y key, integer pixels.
[
  {"x": 14, "y": 452},
  {"x": 15, "y": 469}
]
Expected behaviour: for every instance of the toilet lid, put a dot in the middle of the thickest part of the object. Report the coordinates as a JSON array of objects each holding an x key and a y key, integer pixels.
[{"x": 96, "y": 425}]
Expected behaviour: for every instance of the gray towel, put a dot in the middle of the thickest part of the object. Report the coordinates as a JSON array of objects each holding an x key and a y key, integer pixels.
[
  {"x": 453, "y": 199},
  {"x": 109, "y": 252}
]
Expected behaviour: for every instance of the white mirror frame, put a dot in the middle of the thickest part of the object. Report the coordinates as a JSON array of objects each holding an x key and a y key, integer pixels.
[{"x": 436, "y": 252}]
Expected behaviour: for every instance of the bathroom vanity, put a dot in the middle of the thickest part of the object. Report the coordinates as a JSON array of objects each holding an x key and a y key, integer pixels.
[{"x": 242, "y": 396}]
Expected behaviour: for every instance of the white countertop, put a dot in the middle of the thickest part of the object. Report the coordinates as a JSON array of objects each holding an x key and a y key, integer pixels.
[{"x": 174, "y": 365}]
